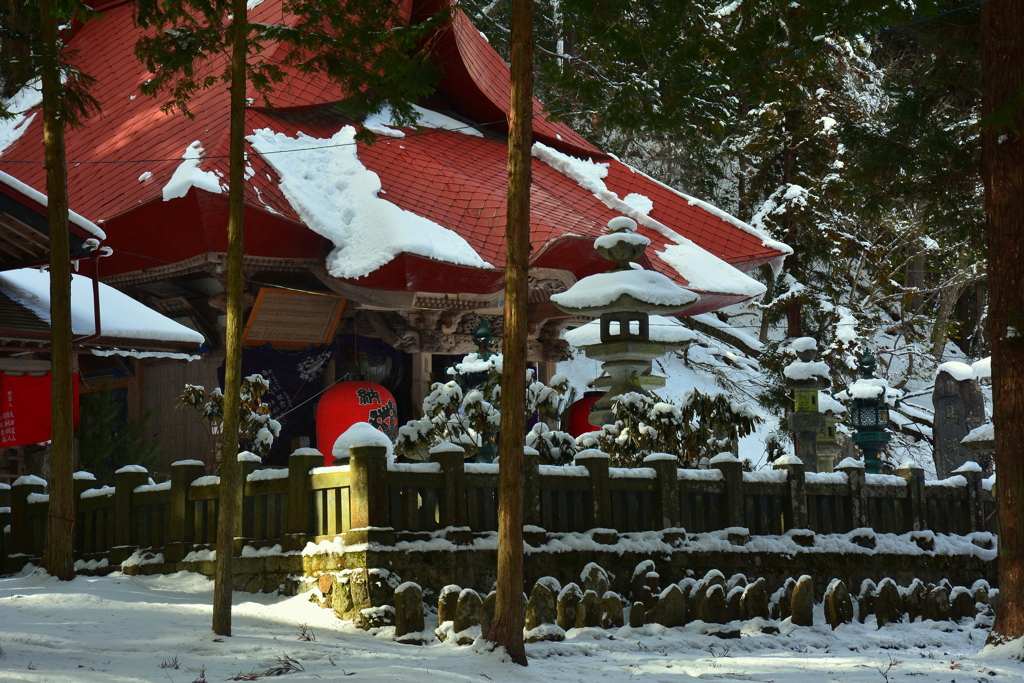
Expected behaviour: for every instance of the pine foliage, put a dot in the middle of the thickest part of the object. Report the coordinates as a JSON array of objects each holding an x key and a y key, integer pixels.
[
  {"x": 700, "y": 426},
  {"x": 109, "y": 440},
  {"x": 257, "y": 429}
]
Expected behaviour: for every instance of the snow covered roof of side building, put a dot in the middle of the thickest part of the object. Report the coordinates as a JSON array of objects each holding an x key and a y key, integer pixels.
[
  {"x": 24, "y": 220},
  {"x": 121, "y": 317},
  {"x": 449, "y": 186}
]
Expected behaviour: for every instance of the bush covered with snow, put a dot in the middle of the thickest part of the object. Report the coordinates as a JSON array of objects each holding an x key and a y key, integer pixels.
[{"x": 700, "y": 426}]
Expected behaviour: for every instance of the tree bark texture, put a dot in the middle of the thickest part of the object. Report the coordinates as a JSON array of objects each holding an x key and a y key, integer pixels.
[
  {"x": 509, "y": 611},
  {"x": 229, "y": 479},
  {"x": 58, "y": 551},
  {"x": 1002, "y": 164}
]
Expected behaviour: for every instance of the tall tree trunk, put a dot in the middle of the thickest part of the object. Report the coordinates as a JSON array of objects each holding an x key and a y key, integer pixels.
[
  {"x": 58, "y": 551},
  {"x": 229, "y": 480},
  {"x": 1002, "y": 166},
  {"x": 509, "y": 616}
]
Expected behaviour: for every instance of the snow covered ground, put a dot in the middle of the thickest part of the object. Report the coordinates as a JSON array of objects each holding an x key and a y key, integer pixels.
[{"x": 119, "y": 628}]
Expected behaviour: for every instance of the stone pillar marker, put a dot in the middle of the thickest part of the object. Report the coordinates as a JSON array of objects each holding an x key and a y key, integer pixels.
[
  {"x": 596, "y": 463},
  {"x": 959, "y": 408},
  {"x": 914, "y": 475},
  {"x": 796, "y": 481},
  {"x": 248, "y": 463},
  {"x": 369, "y": 496},
  {"x": 971, "y": 471},
  {"x": 299, "y": 505},
  {"x": 854, "y": 471},
  {"x": 452, "y": 459},
  {"x": 531, "y": 487},
  {"x": 180, "y": 532},
  {"x": 20, "y": 490},
  {"x": 126, "y": 480},
  {"x": 666, "y": 466},
  {"x": 732, "y": 473}
]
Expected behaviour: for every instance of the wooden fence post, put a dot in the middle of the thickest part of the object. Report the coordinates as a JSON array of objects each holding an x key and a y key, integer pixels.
[
  {"x": 368, "y": 477},
  {"x": 596, "y": 463},
  {"x": 854, "y": 471},
  {"x": 666, "y": 466},
  {"x": 797, "y": 485},
  {"x": 531, "y": 487},
  {"x": 451, "y": 457},
  {"x": 247, "y": 464},
  {"x": 20, "y": 542},
  {"x": 734, "y": 512},
  {"x": 972, "y": 472},
  {"x": 299, "y": 522},
  {"x": 914, "y": 476},
  {"x": 82, "y": 482},
  {"x": 126, "y": 480},
  {"x": 180, "y": 531}
]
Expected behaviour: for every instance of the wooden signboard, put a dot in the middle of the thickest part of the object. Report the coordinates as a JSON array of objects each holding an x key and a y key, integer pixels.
[{"x": 286, "y": 318}]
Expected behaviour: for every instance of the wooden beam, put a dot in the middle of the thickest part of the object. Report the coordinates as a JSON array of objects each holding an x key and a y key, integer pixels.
[{"x": 24, "y": 365}]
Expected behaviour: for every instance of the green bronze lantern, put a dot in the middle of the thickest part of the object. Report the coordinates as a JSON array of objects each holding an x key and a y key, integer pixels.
[{"x": 869, "y": 414}]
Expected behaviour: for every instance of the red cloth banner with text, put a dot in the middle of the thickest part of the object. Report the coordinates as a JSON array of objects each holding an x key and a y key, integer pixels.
[{"x": 25, "y": 404}]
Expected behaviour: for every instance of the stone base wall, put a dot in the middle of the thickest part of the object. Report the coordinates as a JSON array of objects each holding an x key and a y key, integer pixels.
[{"x": 436, "y": 563}]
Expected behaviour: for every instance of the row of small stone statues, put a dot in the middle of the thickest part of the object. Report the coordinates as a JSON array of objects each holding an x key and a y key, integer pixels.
[{"x": 376, "y": 597}]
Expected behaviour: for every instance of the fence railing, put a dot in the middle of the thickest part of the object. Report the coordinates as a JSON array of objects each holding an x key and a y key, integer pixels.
[{"x": 372, "y": 501}]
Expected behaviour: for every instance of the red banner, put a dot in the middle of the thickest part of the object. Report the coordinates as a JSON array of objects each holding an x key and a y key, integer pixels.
[{"x": 25, "y": 404}]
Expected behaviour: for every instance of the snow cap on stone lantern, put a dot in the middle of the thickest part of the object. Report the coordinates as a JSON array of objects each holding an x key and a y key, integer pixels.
[{"x": 625, "y": 296}]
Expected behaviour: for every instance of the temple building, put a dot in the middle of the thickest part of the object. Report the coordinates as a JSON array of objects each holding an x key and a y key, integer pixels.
[{"x": 374, "y": 260}]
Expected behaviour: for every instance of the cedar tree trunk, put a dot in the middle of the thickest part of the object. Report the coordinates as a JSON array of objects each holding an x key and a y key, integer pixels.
[
  {"x": 58, "y": 552},
  {"x": 509, "y": 617},
  {"x": 1002, "y": 167},
  {"x": 229, "y": 483}
]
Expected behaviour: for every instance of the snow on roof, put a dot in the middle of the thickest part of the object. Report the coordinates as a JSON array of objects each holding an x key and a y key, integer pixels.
[
  {"x": 700, "y": 268},
  {"x": 765, "y": 238},
  {"x": 959, "y": 371},
  {"x": 706, "y": 272},
  {"x": 188, "y": 175},
  {"x": 338, "y": 198},
  {"x": 120, "y": 315},
  {"x": 382, "y": 123},
  {"x": 662, "y": 329},
  {"x": 454, "y": 179},
  {"x": 983, "y": 368},
  {"x": 647, "y": 286},
  {"x": 19, "y": 104},
  {"x": 40, "y": 198},
  {"x": 986, "y": 432}
]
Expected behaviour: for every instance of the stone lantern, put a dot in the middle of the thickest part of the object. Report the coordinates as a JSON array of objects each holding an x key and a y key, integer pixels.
[
  {"x": 869, "y": 414},
  {"x": 804, "y": 378},
  {"x": 827, "y": 445},
  {"x": 623, "y": 300}
]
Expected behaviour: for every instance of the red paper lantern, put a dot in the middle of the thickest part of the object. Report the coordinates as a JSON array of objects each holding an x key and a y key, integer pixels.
[
  {"x": 580, "y": 412},
  {"x": 347, "y": 403}
]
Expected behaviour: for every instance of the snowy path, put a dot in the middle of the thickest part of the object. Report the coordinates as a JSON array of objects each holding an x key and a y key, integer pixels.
[{"x": 117, "y": 628}]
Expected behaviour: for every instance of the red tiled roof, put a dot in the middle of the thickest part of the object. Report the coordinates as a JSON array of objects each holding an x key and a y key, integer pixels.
[
  {"x": 452, "y": 178},
  {"x": 480, "y": 83}
]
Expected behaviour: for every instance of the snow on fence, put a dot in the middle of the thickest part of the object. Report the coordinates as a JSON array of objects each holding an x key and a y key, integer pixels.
[{"x": 370, "y": 501}]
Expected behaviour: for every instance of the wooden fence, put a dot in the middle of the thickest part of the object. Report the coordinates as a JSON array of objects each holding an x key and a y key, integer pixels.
[{"x": 372, "y": 501}]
